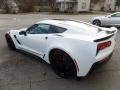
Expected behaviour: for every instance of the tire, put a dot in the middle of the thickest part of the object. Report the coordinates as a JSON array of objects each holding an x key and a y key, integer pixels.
[
  {"x": 10, "y": 42},
  {"x": 97, "y": 22},
  {"x": 62, "y": 64}
]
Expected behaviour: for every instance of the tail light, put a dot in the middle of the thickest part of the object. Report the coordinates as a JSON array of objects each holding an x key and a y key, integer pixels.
[{"x": 103, "y": 45}]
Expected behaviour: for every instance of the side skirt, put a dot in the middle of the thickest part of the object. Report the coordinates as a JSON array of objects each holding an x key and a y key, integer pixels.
[{"x": 32, "y": 55}]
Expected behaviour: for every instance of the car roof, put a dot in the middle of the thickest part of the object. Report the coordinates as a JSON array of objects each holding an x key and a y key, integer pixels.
[
  {"x": 66, "y": 23},
  {"x": 71, "y": 25}
]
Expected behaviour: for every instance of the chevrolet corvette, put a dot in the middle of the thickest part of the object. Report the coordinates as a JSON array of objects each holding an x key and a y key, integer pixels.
[{"x": 70, "y": 47}]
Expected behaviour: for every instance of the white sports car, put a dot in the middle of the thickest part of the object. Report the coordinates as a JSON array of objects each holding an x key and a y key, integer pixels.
[
  {"x": 71, "y": 47},
  {"x": 109, "y": 20}
]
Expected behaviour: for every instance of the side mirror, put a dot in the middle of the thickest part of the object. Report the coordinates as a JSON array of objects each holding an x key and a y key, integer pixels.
[{"x": 23, "y": 33}]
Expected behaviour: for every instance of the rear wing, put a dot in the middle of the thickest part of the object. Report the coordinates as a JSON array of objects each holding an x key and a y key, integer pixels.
[
  {"x": 103, "y": 39},
  {"x": 110, "y": 34}
]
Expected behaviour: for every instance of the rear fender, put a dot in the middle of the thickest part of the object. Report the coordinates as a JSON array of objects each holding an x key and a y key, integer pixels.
[{"x": 82, "y": 52}]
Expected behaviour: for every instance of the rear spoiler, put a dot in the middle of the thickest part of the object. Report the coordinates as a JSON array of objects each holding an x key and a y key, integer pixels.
[
  {"x": 102, "y": 39},
  {"x": 111, "y": 34}
]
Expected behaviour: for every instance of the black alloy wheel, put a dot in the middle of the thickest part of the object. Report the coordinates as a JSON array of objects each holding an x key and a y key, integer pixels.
[
  {"x": 62, "y": 64},
  {"x": 97, "y": 22}
]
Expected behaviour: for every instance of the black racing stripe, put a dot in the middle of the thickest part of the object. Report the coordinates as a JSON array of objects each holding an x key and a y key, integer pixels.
[{"x": 102, "y": 39}]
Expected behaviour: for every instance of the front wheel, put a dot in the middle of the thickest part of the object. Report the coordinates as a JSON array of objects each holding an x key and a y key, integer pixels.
[{"x": 62, "y": 64}]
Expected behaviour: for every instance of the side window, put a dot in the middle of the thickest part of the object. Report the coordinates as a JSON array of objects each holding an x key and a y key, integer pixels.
[
  {"x": 31, "y": 29},
  {"x": 116, "y": 15},
  {"x": 39, "y": 29},
  {"x": 56, "y": 29}
]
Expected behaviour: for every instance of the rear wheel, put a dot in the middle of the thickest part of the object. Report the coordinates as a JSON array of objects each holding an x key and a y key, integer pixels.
[
  {"x": 10, "y": 42},
  {"x": 97, "y": 22},
  {"x": 62, "y": 64}
]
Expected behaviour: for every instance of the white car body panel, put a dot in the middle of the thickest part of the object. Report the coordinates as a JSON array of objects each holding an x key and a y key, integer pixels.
[{"x": 77, "y": 41}]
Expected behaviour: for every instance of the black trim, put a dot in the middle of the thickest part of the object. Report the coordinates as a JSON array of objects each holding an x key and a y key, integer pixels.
[
  {"x": 59, "y": 35},
  {"x": 43, "y": 56},
  {"x": 31, "y": 54},
  {"x": 97, "y": 52},
  {"x": 17, "y": 39},
  {"x": 102, "y": 39},
  {"x": 63, "y": 19}
]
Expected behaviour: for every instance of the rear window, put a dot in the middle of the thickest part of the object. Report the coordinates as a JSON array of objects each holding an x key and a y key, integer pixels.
[{"x": 81, "y": 25}]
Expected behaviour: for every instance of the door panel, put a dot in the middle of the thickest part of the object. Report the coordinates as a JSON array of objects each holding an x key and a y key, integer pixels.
[
  {"x": 113, "y": 20},
  {"x": 36, "y": 43},
  {"x": 35, "y": 40},
  {"x": 33, "y": 43}
]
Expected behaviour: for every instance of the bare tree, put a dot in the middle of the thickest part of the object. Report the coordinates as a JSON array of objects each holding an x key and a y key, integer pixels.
[
  {"x": 28, "y": 5},
  {"x": 25, "y": 5},
  {"x": 2, "y": 3},
  {"x": 97, "y": 1},
  {"x": 117, "y": 3}
]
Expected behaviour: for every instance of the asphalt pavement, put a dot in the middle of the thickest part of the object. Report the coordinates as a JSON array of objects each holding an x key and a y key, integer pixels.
[{"x": 19, "y": 71}]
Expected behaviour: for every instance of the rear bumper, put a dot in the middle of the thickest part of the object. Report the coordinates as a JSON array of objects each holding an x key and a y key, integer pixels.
[
  {"x": 82, "y": 73},
  {"x": 106, "y": 58},
  {"x": 100, "y": 63}
]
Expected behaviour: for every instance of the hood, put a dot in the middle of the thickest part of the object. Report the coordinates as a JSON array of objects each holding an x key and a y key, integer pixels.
[
  {"x": 16, "y": 31},
  {"x": 22, "y": 29}
]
